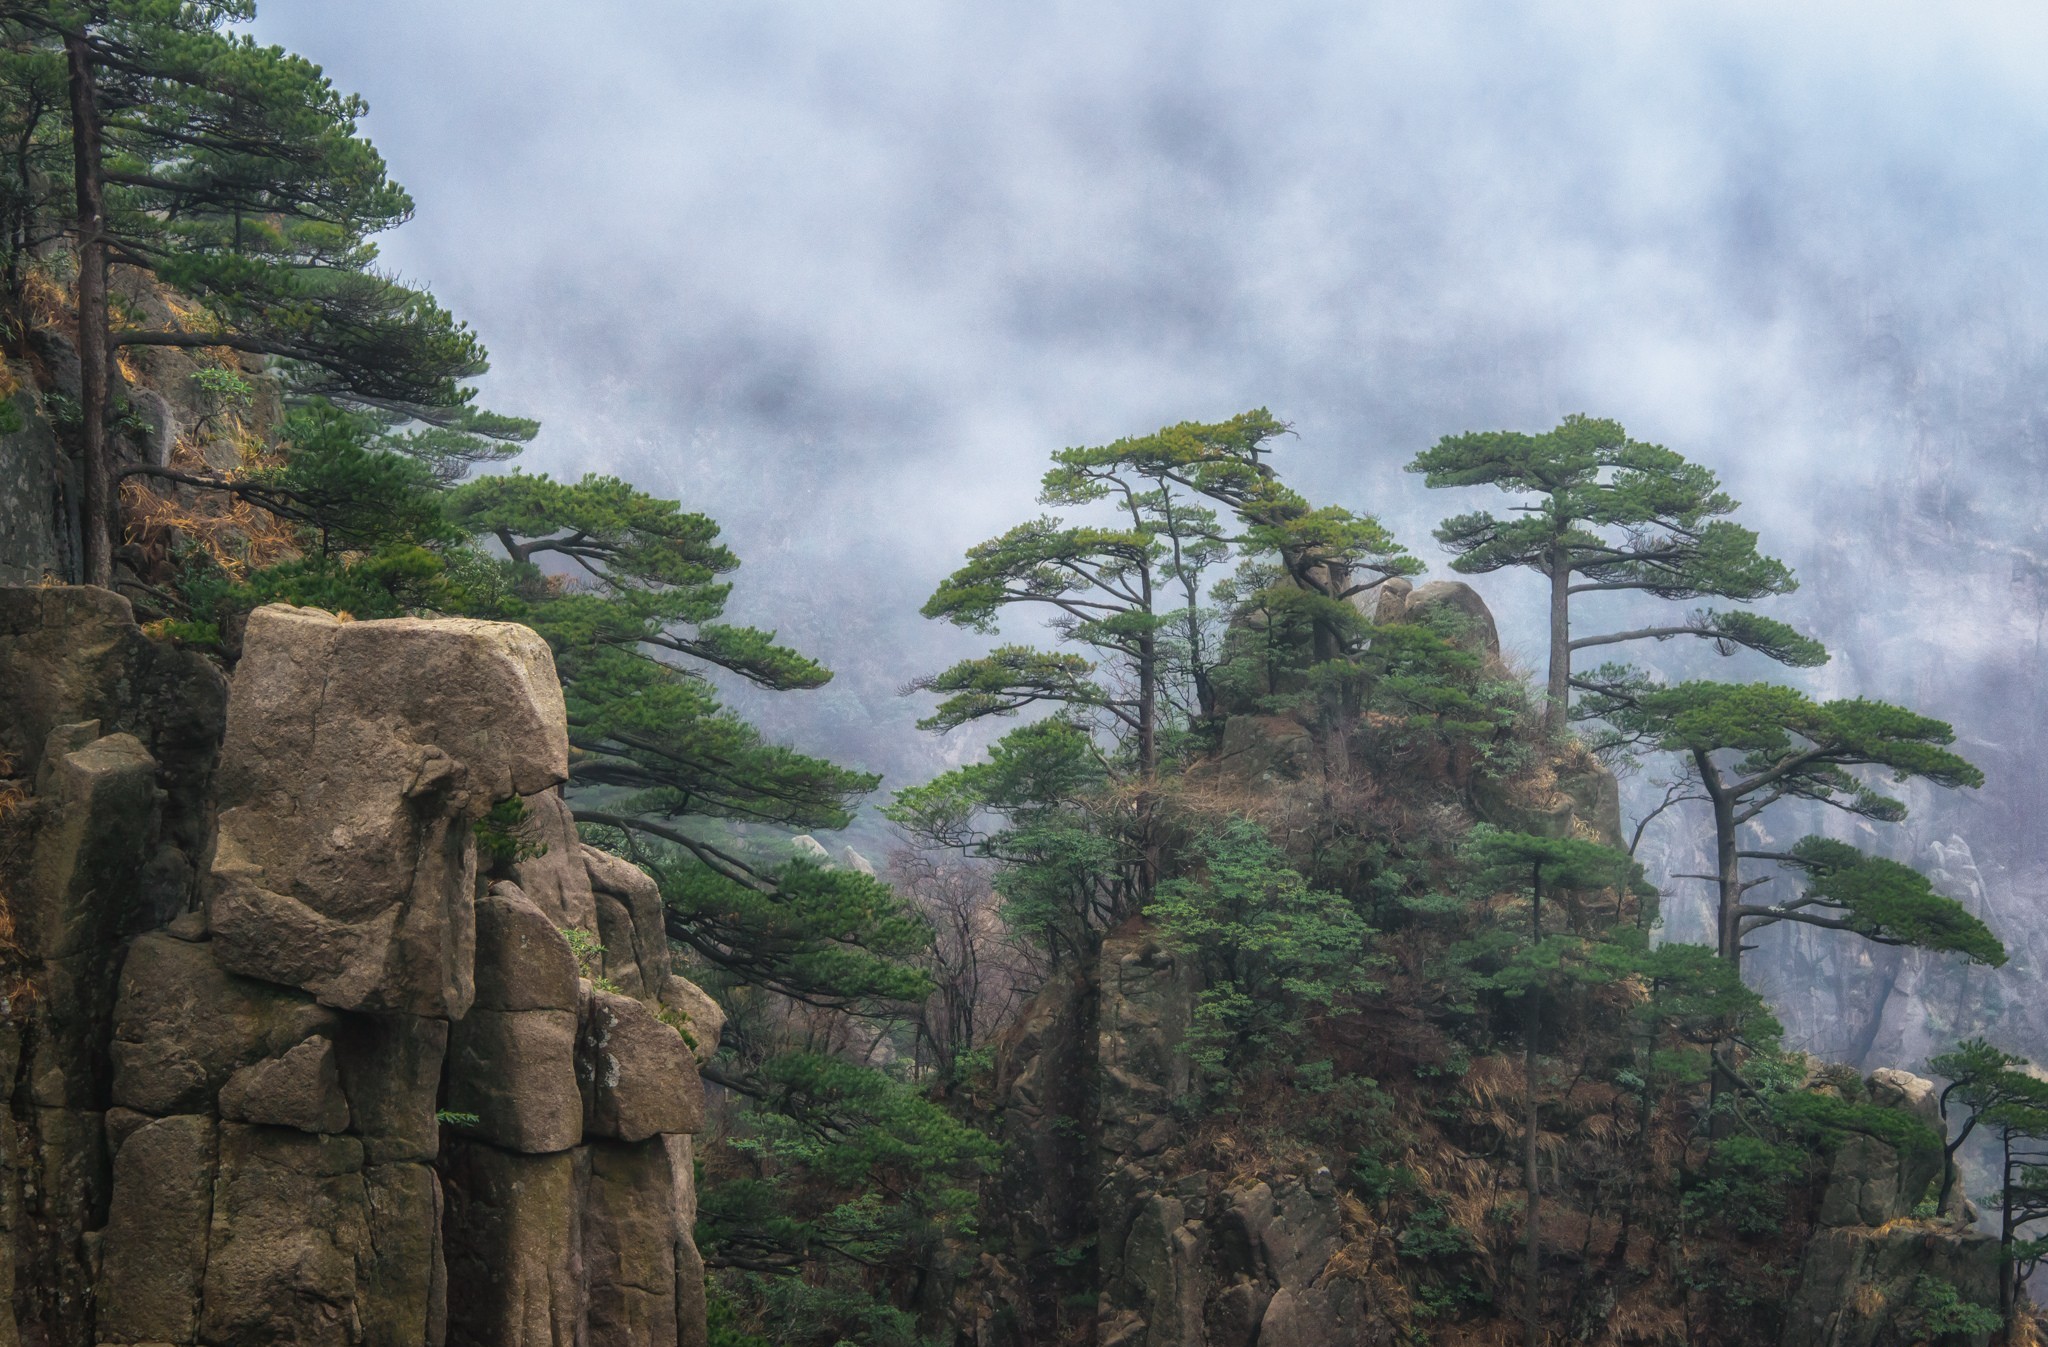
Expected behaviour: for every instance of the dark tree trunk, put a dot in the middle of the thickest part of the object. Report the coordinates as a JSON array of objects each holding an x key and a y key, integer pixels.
[
  {"x": 99, "y": 516},
  {"x": 1148, "y": 742},
  {"x": 1728, "y": 924},
  {"x": 1559, "y": 690},
  {"x": 2006, "y": 1279},
  {"x": 1532, "y": 1026}
]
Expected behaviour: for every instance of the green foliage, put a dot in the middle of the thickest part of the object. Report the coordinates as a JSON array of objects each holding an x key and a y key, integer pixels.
[
  {"x": 1429, "y": 1236},
  {"x": 1130, "y": 592},
  {"x": 1327, "y": 550},
  {"x": 1005, "y": 681},
  {"x": 1744, "y": 1184},
  {"x": 1937, "y": 1310},
  {"x": 1797, "y": 744},
  {"x": 1755, "y": 745},
  {"x": 1376, "y": 1180},
  {"x": 826, "y": 937},
  {"x": 451, "y": 1118},
  {"x": 234, "y": 173},
  {"x": 1278, "y": 956},
  {"x": 723, "y": 1320},
  {"x": 505, "y": 834},
  {"x": 846, "y": 1159},
  {"x": 351, "y": 495},
  {"x": 1828, "y": 1120},
  {"x": 587, "y": 949},
  {"x": 1613, "y": 515},
  {"x": 390, "y": 582},
  {"x": 653, "y": 588},
  {"x": 1695, "y": 998},
  {"x": 1295, "y": 651},
  {"x": 1039, "y": 807},
  {"x": 1894, "y": 904}
]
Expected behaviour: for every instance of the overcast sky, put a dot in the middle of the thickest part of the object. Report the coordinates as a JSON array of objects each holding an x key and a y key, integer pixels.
[{"x": 843, "y": 274}]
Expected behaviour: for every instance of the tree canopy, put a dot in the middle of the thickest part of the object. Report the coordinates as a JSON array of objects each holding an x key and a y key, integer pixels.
[
  {"x": 232, "y": 173},
  {"x": 1614, "y": 515}
]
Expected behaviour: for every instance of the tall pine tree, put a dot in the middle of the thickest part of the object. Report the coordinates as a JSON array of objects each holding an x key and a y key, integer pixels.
[{"x": 1612, "y": 515}]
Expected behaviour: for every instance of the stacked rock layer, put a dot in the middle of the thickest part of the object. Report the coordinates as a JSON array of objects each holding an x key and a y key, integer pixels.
[{"x": 393, "y": 1059}]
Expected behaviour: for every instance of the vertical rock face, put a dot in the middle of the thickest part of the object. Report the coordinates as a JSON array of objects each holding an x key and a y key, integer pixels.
[
  {"x": 357, "y": 755},
  {"x": 289, "y": 1073},
  {"x": 1863, "y": 1268},
  {"x": 107, "y": 750},
  {"x": 1181, "y": 1259}
]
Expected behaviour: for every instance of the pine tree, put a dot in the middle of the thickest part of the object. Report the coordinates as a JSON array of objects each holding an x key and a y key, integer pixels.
[
  {"x": 2002, "y": 1093},
  {"x": 1751, "y": 746},
  {"x": 1613, "y": 515},
  {"x": 232, "y": 172},
  {"x": 651, "y": 587},
  {"x": 1325, "y": 550},
  {"x": 1107, "y": 589}
]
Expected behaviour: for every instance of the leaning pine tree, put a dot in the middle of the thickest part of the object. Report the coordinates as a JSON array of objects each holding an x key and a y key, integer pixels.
[{"x": 1752, "y": 747}]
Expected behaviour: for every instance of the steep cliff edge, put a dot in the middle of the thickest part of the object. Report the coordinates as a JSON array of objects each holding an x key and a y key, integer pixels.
[
  {"x": 324, "y": 1027},
  {"x": 1144, "y": 1201},
  {"x": 1123, "y": 1219}
]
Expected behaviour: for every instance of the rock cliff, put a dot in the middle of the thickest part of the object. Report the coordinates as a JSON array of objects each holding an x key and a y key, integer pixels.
[
  {"x": 1134, "y": 1210},
  {"x": 1183, "y": 1242},
  {"x": 322, "y": 1025}
]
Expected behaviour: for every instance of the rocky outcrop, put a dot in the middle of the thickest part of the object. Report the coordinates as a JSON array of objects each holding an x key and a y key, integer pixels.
[
  {"x": 1452, "y": 607},
  {"x": 304, "y": 1069},
  {"x": 357, "y": 755},
  {"x": 107, "y": 749},
  {"x": 39, "y": 494},
  {"x": 1868, "y": 1265},
  {"x": 1090, "y": 1078}
]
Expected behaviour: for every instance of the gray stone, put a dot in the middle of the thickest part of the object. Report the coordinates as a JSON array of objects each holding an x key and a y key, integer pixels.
[
  {"x": 637, "y": 1078},
  {"x": 161, "y": 437},
  {"x": 699, "y": 1018},
  {"x": 122, "y": 1123},
  {"x": 39, "y": 495},
  {"x": 153, "y": 1255},
  {"x": 82, "y": 890},
  {"x": 405, "y": 1285},
  {"x": 391, "y": 1074},
  {"x": 557, "y": 880},
  {"x": 183, "y": 1025},
  {"x": 691, "y": 1307},
  {"x": 300, "y": 1089},
  {"x": 357, "y": 754},
  {"x": 630, "y": 1230},
  {"x": 615, "y": 930},
  {"x": 1332, "y": 1314},
  {"x": 645, "y": 929},
  {"x": 1856, "y": 1285},
  {"x": 64, "y": 1159},
  {"x": 514, "y": 1235},
  {"x": 1387, "y": 602},
  {"x": 516, "y": 1071},
  {"x": 1265, "y": 748},
  {"x": 1457, "y": 612},
  {"x": 289, "y": 1236},
  {"x": 1870, "y": 1182},
  {"x": 74, "y": 654},
  {"x": 523, "y": 962}
]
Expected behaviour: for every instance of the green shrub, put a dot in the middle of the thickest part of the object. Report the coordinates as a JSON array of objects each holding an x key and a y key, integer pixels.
[{"x": 1744, "y": 1185}]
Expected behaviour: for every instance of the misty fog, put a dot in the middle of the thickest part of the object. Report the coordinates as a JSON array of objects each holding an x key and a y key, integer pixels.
[{"x": 842, "y": 277}]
